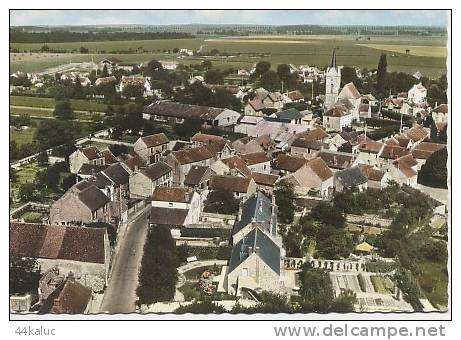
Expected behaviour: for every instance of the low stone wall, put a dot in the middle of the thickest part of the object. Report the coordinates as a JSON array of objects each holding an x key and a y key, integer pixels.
[{"x": 369, "y": 219}]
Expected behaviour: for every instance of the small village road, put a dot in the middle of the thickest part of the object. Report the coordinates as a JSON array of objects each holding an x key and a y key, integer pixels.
[{"x": 120, "y": 295}]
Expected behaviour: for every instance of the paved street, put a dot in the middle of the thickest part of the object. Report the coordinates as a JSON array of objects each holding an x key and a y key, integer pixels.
[{"x": 120, "y": 294}]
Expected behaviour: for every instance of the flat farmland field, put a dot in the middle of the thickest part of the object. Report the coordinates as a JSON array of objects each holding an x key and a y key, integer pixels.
[
  {"x": 420, "y": 51},
  {"x": 245, "y": 51}
]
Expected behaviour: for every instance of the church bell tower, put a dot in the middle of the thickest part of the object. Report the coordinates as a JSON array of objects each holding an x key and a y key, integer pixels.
[{"x": 332, "y": 82}]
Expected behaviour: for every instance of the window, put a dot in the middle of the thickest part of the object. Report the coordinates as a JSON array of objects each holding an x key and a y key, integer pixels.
[
  {"x": 170, "y": 204},
  {"x": 245, "y": 272},
  {"x": 93, "y": 215}
]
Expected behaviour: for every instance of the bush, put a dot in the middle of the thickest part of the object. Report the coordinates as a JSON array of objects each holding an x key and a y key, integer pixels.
[{"x": 380, "y": 266}]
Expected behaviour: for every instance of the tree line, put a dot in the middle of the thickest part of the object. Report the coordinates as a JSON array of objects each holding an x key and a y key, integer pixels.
[{"x": 17, "y": 36}]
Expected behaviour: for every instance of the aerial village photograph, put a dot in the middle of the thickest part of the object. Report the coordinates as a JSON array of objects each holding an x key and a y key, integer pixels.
[{"x": 229, "y": 162}]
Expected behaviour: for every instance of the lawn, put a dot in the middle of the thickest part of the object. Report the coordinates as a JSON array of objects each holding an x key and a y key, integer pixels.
[
  {"x": 311, "y": 50},
  {"x": 382, "y": 285},
  {"x": 22, "y": 136},
  {"x": 77, "y": 104},
  {"x": 42, "y": 112}
]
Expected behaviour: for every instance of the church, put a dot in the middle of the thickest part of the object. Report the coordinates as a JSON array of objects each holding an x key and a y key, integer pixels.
[{"x": 341, "y": 106}]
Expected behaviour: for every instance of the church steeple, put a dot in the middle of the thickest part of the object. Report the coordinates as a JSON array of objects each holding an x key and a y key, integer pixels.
[{"x": 333, "y": 59}]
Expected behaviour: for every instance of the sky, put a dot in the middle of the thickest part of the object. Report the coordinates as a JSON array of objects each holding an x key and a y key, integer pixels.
[{"x": 266, "y": 17}]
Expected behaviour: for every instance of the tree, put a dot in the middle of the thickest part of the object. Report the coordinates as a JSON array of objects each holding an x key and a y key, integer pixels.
[
  {"x": 188, "y": 128},
  {"x": 48, "y": 177},
  {"x": 42, "y": 158},
  {"x": 261, "y": 68},
  {"x": 63, "y": 109},
  {"x": 268, "y": 303},
  {"x": 344, "y": 303},
  {"x": 348, "y": 75},
  {"x": 270, "y": 81},
  {"x": 24, "y": 275},
  {"x": 329, "y": 215},
  {"x": 27, "y": 192},
  {"x": 51, "y": 133},
  {"x": 105, "y": 72},
  {"x": 381, "y": 75},
  {"x": 133, "y": 91},
  {"x": 213, "y": 76},
  {"x": 221, "y": 202},
  {"x": 434, "y": 172},
  {"x": 68, "y": 182},
  {"x": 83, "y": 50},
  {"x": 316, "y": 290},
  {"x": 284, "y": 198},
  {"x": 158, "y": 274}
]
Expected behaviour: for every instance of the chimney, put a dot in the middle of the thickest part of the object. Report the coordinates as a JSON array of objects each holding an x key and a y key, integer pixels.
[
  {"x": 136, "y": 168},
  {"x": 335, "y": 160},
  {"x": 187, "y": 196},
  {"x": 257, "y": 250},
  {"x": 57, "y": 304},
  {"x": 71, "y": 277}
]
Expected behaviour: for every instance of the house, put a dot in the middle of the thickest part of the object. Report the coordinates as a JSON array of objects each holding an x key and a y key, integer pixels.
[
  {"x": 250, "y": 145},
  {"x": 273, "y": 100},
  {"x": 200, "y": 139},
  {"x": 424, "y": 150},
  {"x": 82, "y": 203},
  {"x": 241, "y": 187},
  {"x": 350, "y": 178},
  {"x": 199, "y": 177},
  {"x": 337, "y": 118},
  {"x": 69, "y": 297},
  {"x": 316, "y": 134},
  {"x": 182, "y": 161},
  {"x": 110, "y": 63},
  {"x": 369, "y": 151},
  {"x": 308, "y": 149},
  {"x": 258, "y": 162},
  {"x": 105, "y": 81},
  {"x": 281, "y": 133},
  {"x": 440, "y": 113},
  {"x": 175, "y": 206},
  {"x": 88, "y": 155},
  {"x": 314, "y": 176},
  {"x": 337, "y": 160},
  {"x": 416, "y": 134},
  {"x": 255, "y": 260},
  {"x": 234, "y": 166},
  {"x": 136, "y": 81},
  {"x": 166, "y": 111},
  {"x": 151, "y": 148},
  {"x": 128, "y": 67},
  {"x": 403, "y": 175},
  {"x": 145, "y": 180},
  {"x": 254, "y": 107},
  {"x": 255, "y": 263},
  {"x": 292, "y": 116},
  {"x": 417, "y": 94},
  {"x": 81, "y": 250},
  {"x": 286, "y": 164},
  {"x": 265, "y": 182},
  {"x": 293, "y": 96},
  {"x": 232, "y": 89},
  {"x": 168, "y": 65},
  {"x": 392, "y": 152},
  {"x": 247, "y": 123},
  {"x": 377, "y": 179}
]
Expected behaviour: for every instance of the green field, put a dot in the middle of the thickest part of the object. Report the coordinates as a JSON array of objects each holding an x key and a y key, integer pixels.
[
  {"x": 22, "y": 136},
  {"x": 37, "y": 102},
  {"x": 311, "y": 50}
]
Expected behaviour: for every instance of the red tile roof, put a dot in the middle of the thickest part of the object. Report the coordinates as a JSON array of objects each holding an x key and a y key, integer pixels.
[
  {"x": 230, "y": 183},
  {"x": 173, "y": 194},
  {"x": 155, "y": 140},
  {"x": 57, "y": 242}
]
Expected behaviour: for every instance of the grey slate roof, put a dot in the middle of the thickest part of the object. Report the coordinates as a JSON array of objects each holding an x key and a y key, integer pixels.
[
  {"x": 289, "y": 114},
  {"x": 256, "y": 241},
  {"x": 93, "y": 198},
  {"x": 258, "y": 208},
  {"x": 117, "y": 174},
  {"x": 351, "y": 177}
]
